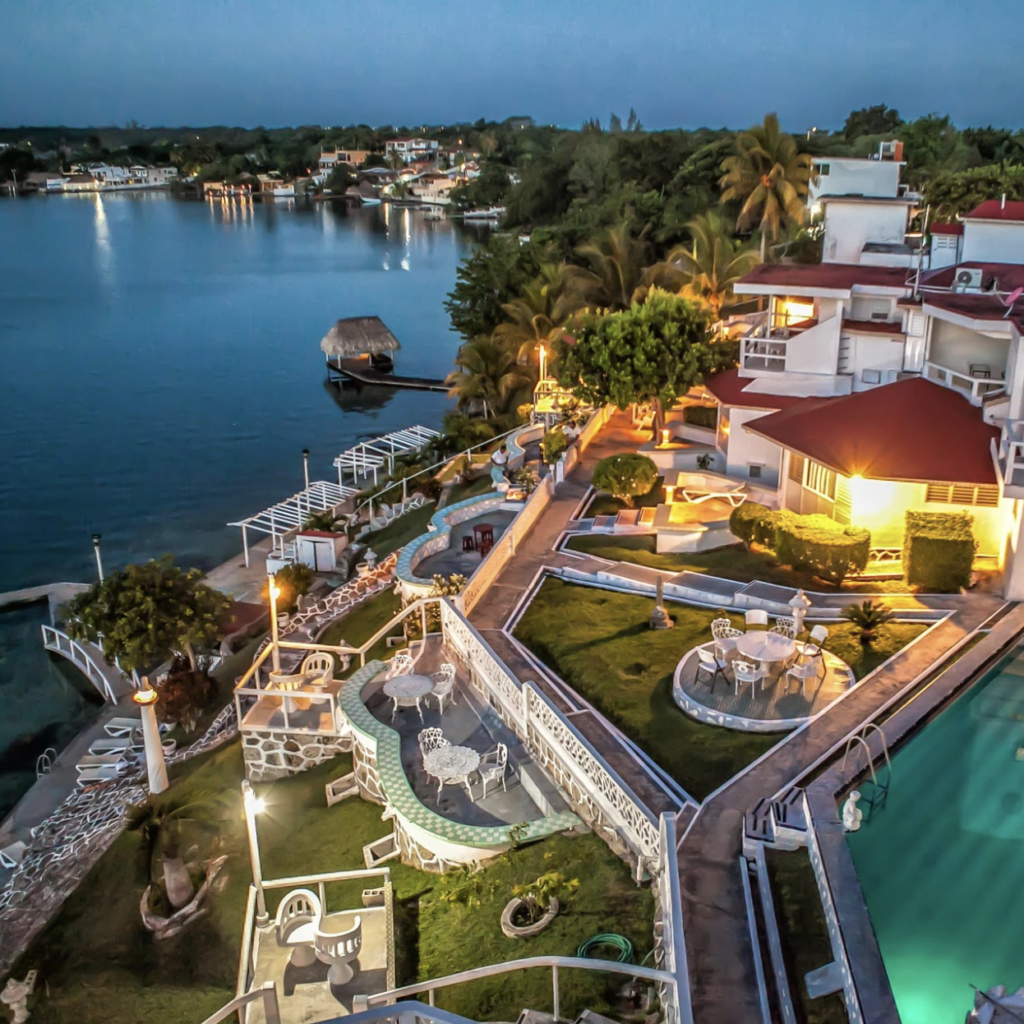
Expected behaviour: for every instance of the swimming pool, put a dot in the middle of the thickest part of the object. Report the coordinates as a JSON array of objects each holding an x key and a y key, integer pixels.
[{"x": 942, "y": 863}]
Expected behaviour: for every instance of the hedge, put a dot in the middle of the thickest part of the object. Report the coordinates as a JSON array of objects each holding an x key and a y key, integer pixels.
[
  {"x": 754, "y": 523},
  {"x": 938, "y": 550},
  {"x": 821, "y": 545},
  {"x": 701, "y": 416}
]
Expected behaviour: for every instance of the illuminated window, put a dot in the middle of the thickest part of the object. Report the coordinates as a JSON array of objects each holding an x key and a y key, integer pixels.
[
  {"x": 821, "y": 480},
  {"x": 984, "y": 495}
]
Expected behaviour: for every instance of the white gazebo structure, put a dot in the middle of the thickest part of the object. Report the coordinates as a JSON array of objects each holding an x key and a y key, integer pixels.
[
  {"x": 369, "y": 456},
  {"x": 289, "y": 515}
]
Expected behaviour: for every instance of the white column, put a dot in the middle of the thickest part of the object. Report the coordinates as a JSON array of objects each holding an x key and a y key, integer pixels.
[
  {"x": 156, "y": 767},
  {"x": 252, "y": 805}
]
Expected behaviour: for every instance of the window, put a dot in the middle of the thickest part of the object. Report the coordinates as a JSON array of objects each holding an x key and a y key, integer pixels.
[
  {"x": 821, "y": 480},
  {"x": 824, "y": 170},
  {"x": 796, "y": 467},
  {"x": 871, "y": 376},
  {"x": 754, "y": 470},
  {"x": 984, "y": 495}
]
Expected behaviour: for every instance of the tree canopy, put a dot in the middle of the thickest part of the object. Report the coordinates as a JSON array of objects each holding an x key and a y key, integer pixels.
[
  {"x": 142, "y": 613},
  {"x": 876, "y": 120}
]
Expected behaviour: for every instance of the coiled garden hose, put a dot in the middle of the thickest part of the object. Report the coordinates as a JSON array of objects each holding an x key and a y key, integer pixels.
[{"x": 622, "y": 946}]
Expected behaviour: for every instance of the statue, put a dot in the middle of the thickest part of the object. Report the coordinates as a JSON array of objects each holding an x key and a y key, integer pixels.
[
  {"x": 659, "y": 617},
  {"x": 852, "y": 814},
  {"x": 15, "y": 995},
  {"x": 996, "y": 1007}
]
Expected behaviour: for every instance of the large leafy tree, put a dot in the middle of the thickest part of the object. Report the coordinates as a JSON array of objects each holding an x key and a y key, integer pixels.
[
  {"x": 769, "y": 176},
  {"x": 876, "y": 120},
  {"x": 956, "y": 192},
  {"x": 654, "y": 351},
  {"x": 616, "y": 269},
  {"x": 487, "y": 377},
  {"x": 538, "y": 315},
  {"x": 707, "y": 268},
  {"x": 142, "y": 613}
]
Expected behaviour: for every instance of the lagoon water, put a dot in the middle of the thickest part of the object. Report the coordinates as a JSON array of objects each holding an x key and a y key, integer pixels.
[{"x": 161, "y": 376}]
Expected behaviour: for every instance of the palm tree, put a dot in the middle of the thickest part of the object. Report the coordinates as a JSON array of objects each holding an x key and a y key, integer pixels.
[
  {"x": 487, "y": 376},
  {"x": 158, "y": 823},
  {"x": 769, "y": 176},
  {"x": 325, "y": 520},
  {"x": 616, "y": 277},
  {"x": 707, "y": 269},
  {"x": 869, "y": 617},
  {"x": 540, "y": 313}
]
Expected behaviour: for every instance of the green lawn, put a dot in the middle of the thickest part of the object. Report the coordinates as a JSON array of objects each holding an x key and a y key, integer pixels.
[
  {"x": 101, "y": 967},
  {"x": 803, "y": 933},
  {"x": 604, "y": 504},
  {"x": 605, "y": 650},
  {"x": 473, "y": 489},
  {"x": 731, "y": 563},
  {"x": 397, "y": 534},
  {"x": 362, "y": 622}
]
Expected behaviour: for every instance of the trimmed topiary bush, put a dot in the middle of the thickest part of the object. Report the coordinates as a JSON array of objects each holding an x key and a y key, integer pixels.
[
  {"x": 625, "y": 476},
  {"x": 938, "y": 550},
  {"x": 755, "y": 523},
  {"x": 822, "y": 546},
  {"x": 701, "y": 416}
]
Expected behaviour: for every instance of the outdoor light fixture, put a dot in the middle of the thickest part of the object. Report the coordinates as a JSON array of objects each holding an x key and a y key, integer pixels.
[
  {"x": 253, "y": 805},
  {"x": 99, "y": 561},
  {"x": 664, "y": 436},
  {"x": 146, "y": 697},
  {"x": 543, "y": 362},
  {"x": 275, "y": 592}
]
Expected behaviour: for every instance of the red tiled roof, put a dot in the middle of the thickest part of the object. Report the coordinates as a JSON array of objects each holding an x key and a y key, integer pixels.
[
  {"x": 872, "y": 327},
  {"x": 826, "y": 275},
  {"x": 728, "y": 386},
  {"x": 912, "y": 430},
  {"x": 978, "y": 307},
  {"x": 1003, "y": 276},
  {"x": 946, "y": 229},
  {"x": 996, "y": 209}
]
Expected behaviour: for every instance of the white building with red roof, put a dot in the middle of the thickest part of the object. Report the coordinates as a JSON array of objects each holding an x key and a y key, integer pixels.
[{"x": 890, "y": 376}]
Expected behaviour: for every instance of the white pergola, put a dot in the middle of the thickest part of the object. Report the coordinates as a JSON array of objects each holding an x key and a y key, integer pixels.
[
  {"x": 369, "y": 456},
  {"x": 291, "y": 513}
]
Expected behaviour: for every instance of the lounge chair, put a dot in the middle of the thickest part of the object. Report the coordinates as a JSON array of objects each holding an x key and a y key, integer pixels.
[
  {"x": 122, "y": 726},
  {"x": 11, "y": 856},
  {"x": 115, "y": 759},
  {"x": 93, "y": 776}
]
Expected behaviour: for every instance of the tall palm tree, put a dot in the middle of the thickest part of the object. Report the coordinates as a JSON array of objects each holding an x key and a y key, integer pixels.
[
  {"x": 488, "y": 375},
  {"x": 616, "y": 276},
  {"x": 538, "y": 316},
  {"x": 769, "y": 175},
  {"x": 707, "y": 269}
]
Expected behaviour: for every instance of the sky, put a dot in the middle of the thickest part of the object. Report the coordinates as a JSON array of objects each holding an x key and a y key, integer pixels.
[{"x": 677, "y": 62}]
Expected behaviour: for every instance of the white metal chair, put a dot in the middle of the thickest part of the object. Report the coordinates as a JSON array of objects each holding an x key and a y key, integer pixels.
[
  {"x": 725, "y": 635},
  {"x": 319, "y": 664},
  {"x": 803, "y": 674},
  {"x": 812, "y": 650},
  {"x": 401, "y": 665},
  {"x": 492, "y": 767},
  {"x": 338, "y": 946},
  {"x": 431, "y": 739},
  {"x": 785, "y": 625},
  {"x": 444, "y": 685},
  {"x": 297, "y": 917},
  {"x": 712, "y": 665},
  {"x": 756, "y": 617},
  {"x": 746, "y": 672}
]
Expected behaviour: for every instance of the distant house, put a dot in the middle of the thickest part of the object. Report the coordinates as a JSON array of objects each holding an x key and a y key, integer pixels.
[
  {"x": 331, "y": 156},
  {"x": 161, "y": 175},
  {"x": 412, "y": 150},
  {"x": 274, "y": 184},
  {"x": 433, "y": 188},
  {"x": 80, "y": 183},
  {"x": 519, "y": 122},
  {"x": 45, "y": 181}
]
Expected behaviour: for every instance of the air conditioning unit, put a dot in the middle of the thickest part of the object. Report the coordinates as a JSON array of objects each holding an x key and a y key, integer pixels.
[{"x": 969, "y": 277}]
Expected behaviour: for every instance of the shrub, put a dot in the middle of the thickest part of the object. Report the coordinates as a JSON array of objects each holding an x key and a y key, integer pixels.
[
  {"x": 755, "y": 523},
  {"x": 184, "y": 694},
  {"x": 625, "y": 476},
  {"x": 701, "y": 416},
  {"x": 938, "y": 550},
  {"x": 553, "y": 445},
  {"x": 821, "y": 545},
  {"x": 526, "y": 480},
  {"x": 868, "y": 616},
  {"x": 293, "y": 581}
]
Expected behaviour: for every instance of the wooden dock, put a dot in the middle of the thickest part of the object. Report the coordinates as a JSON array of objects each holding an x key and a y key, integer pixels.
[{"x": 358, "y": 372}]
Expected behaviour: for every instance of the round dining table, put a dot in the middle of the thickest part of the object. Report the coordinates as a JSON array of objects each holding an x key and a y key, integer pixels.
[
  {"x": 765, "y": 647},
  {"x": 408, "y": 690},
  {"x": 451, "y": 764}
]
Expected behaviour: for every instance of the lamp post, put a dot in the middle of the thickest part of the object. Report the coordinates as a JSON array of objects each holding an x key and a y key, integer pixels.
[
  {"x": 274, "y": 592},
  {"x": 99, "y": 561},
  {"x": 253, "y": 805},
  {"x": 156, "y": 767},
  {"x": 543, "y": 363},
  {"x": 305, "y": 465}
]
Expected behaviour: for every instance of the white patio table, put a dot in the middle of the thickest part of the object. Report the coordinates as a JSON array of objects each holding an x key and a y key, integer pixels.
[
  {"x": 408, "y": 691},
  {"x": 451, "y": 764},
  {"x": 767, "y": 648}
]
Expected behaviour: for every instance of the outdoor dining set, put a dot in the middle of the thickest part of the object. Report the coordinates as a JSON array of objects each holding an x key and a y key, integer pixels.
[
  {"x": 443, "y": 761},
  {"x": 762, "y": 654}
]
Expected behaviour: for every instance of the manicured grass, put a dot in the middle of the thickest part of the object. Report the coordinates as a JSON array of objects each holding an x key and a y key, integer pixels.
[
  {"x": 101, "y": 966},
  {"x": 803, "y": 933},
  {"x": 731, "y": 563},
  {"x": 362, "y": 622},
  {"x": 397, "y": 534},
  {"x": 472, "y": 489},
  {"x": 599, "y": 642},
  {"x": 604, "y": 504}
]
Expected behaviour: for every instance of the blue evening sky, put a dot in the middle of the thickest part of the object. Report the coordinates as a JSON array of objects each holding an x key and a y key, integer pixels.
[{"x": 678, "y": 62}]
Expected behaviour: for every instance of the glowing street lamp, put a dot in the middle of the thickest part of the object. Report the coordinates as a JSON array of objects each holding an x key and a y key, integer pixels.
[
  {"x": 543, "y": 363},
  {"x": 275, "y": 592},
  {"x": 99, "y": 561},
  {"x": 156, "y": 767},
  {"x": 253, "y": 805}
]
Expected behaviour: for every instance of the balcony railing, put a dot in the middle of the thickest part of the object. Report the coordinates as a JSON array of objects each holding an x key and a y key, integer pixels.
[
  {"x": 973, "y": 388},
  {"x": 763, "y": 354},
  {"x": 1009, "y": 455}
]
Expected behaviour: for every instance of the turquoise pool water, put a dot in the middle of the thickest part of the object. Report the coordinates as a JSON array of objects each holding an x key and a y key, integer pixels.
[{"x": 942, "y": 865}]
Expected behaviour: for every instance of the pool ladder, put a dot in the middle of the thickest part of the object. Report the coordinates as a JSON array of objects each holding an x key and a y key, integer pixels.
[{"x": 880, "y": 790}]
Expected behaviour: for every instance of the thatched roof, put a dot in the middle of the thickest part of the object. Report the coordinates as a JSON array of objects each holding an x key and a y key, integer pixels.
[{"x": 358, "y": 334}]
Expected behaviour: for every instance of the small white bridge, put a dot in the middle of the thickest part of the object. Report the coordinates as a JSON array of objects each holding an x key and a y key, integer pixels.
[{"x": 111, "y": 682}]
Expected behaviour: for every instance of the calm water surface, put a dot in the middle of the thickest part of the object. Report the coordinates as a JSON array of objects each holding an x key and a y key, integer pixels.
[{"x": 162, "y": 375}]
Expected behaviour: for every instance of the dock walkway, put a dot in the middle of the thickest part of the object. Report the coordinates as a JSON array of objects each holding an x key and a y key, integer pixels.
[{"x": 356, "y": 371}]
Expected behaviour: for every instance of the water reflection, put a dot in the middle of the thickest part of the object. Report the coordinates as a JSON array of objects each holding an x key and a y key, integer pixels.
[
  {"x": 104, "y": 250},
  {"x": 361, "y": 400}
]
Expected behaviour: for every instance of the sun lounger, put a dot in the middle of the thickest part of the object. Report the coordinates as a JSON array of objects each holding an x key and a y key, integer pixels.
[
  {"x": 122, "y": 726},
  {"x": 112, "y": 744},
  {"x": 11, "y": 856},
  {"x": 107, "y": 773},
  {"x": 113, "y": 760}
]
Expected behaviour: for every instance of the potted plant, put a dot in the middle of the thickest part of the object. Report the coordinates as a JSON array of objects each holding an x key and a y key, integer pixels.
[{"x": 535, "y": 904}]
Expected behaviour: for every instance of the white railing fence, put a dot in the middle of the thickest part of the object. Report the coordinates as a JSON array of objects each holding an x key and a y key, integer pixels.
[
  {"x": 975, "y": 388},
  {"x": 668, "y": 930},
  {"x": 60, "y": 643}
]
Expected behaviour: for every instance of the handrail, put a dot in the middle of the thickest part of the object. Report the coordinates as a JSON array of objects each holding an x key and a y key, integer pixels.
[
  {"x": 267, "y": 992},
  {"x": 86, "y": 664}
]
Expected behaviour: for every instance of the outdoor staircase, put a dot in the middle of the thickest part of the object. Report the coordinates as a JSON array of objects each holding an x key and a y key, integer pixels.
[{"x": 777, "y": 823}]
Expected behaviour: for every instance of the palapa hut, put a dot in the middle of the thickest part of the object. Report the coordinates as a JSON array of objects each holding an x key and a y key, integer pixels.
[{"x": 360, "y": 338}]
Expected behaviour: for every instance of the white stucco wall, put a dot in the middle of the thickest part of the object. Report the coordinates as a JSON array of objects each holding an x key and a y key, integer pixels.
[
  {"x": 743, "y": 449},
  {"x": 993, "y": 243},
  {"x": 815, "y": 350},
  {"x": 856, "y": 177},
  {"x": 874, "y": 352},
  {"x": 849, "y": 225},
  {"x": 958, "y": 347}
]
